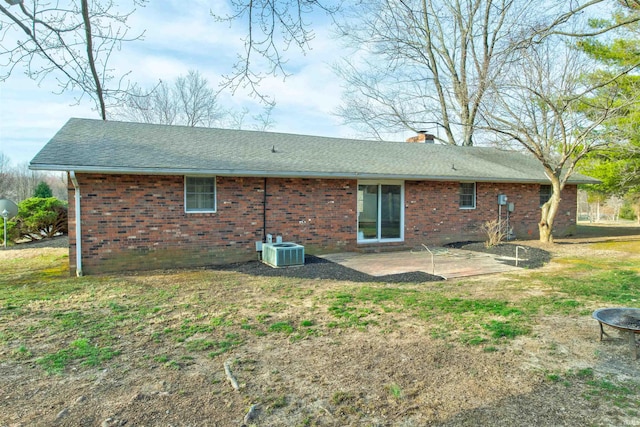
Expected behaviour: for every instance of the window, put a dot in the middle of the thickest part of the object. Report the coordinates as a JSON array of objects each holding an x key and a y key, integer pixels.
[
  {"x": 380, "y": 212},
  {"x": 200, "y": 194},
  {"x": 467, "y": 195},
  {"x": 545, "y": 193}
]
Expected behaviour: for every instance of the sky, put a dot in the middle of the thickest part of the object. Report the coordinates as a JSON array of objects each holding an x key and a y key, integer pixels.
[{"x": 178, "y": 39}]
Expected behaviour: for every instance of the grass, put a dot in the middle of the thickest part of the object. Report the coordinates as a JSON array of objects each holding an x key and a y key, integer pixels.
[
  {"x": 362, "y": 306},
  {"x": 395, "y": 391},
  {"x": 341, "y": 397},
  {"x": 97, "y": 308},
  {"x": 214, "y": 347},
  {"x": 60, "y": 322},
  {"x": 630, "y": 246},
  {"x": 283, "y": 327},
  {"x": 585, "y": 281},
  {"x": 506, "y": 329},
  {"x": 624, "y": 394},
  {"x": 78, "y": 351}
]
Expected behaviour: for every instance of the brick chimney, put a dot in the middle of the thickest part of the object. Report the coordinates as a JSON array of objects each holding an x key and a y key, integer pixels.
[{"x": 422, "y": 137}]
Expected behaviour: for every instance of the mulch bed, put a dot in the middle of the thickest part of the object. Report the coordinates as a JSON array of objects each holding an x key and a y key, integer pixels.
[
  {"x": 319, "y": 268},
  {"x": 529, "y": 257}
]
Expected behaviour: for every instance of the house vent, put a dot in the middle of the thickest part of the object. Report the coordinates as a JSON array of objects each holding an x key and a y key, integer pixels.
[{"x": 283, "y": 254}]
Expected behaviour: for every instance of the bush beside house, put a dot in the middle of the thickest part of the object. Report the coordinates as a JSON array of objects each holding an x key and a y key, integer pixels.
[{"x": 38, "y": 218}]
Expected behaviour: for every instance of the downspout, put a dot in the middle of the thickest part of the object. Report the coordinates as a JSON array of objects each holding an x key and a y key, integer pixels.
[
  {"x": 76, "y": 189},
  {"x": 264, "y": 212}
]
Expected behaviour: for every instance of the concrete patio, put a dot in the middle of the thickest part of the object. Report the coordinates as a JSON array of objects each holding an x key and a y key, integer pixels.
[{"x": 448, "y": 263}]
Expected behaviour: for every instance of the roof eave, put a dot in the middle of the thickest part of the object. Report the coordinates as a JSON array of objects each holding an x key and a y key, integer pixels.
[{"x": 287, "y": 174}]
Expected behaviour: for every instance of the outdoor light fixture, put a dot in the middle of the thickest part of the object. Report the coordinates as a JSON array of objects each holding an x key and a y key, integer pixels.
[
  {"x": 5, "y": 214},
  {"x": 8, "y": 210}
]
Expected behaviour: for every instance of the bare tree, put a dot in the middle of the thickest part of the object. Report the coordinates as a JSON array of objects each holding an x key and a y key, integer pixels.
[
  {"x": 541, "y": 108},
  {"x": 5, "y": 175},
  {"x": 272, "y": 27},
  {"x": 430, "y": 64},
  {"x": 154, "y": 106},
  {"x": 57, "y": 181},
  {"x": 188, "y": 101},
  {"x": 24, "y": 182},
  {"x": 18, "y": 182},
  {"x": 264, "y": 121},
  {"x": 70, "y": 41},
  {"x": 426, "y": 64},
  {"x": 236, "y": 119},
  {"x": 197, "y": 102}
]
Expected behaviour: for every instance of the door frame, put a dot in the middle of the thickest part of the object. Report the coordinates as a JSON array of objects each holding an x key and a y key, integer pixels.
[{"x": 379, "y": 184}]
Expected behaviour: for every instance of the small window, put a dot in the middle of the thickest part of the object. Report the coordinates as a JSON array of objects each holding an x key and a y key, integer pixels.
[
  {"x": 467, "y": 195},
  {"x": 200, "y": 194},
  {"x": 545, "y": 193}
]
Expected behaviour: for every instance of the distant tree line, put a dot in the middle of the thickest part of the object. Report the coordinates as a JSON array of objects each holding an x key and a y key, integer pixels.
[
  {"x": 188, "y": 101},
  {"x": 40, "y": 214},
  {"x": 18, "y": 183}
]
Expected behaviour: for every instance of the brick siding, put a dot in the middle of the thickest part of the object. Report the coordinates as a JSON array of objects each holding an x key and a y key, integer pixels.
[
  {"x": 433, "y": 216},
  {"x": 138, "y": 222}
]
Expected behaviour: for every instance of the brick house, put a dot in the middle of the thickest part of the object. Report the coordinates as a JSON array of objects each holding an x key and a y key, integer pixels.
[{"x": 146, "y": 196}]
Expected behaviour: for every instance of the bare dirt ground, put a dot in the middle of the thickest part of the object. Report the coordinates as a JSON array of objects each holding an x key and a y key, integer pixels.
[{"x": 398, "y": 373}]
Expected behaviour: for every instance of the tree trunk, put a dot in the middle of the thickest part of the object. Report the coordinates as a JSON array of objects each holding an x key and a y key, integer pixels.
[
  {"x": 91, "y": 60},
  {"x": 548, "y": 213},
  {"x": 545, "y": 226}
]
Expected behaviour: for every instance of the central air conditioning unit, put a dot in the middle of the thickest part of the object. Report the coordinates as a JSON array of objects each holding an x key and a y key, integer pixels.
[{"x": 282, "y": 254}]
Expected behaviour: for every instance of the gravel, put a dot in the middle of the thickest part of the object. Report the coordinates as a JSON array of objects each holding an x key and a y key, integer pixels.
[{"x": 54, "y": 242}]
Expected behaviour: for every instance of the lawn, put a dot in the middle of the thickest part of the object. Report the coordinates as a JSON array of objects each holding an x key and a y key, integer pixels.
[{"x": 151, "y": 348}]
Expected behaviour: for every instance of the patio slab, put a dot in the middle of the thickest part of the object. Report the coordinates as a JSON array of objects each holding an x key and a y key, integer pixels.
[{"x": 448, "y": 263}]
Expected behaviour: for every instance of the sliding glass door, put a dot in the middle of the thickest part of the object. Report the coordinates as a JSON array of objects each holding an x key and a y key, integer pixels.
[{"x": 380, "y": 212}]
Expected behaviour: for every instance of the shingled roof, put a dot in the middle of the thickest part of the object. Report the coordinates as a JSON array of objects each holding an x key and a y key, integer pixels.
[{"x": 87, "y": 145}]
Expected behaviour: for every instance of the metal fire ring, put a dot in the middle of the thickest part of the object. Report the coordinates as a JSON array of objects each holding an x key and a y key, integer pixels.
[{"x": 624, "y": 319}]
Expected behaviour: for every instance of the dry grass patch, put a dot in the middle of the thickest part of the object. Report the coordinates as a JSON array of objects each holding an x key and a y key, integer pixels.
[{"x": 149, "y": 349}]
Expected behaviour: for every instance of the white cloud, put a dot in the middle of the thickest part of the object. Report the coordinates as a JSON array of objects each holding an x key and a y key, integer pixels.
[
  {"x": 30, "y": 116},
  {"x": 177, "y": 39}
]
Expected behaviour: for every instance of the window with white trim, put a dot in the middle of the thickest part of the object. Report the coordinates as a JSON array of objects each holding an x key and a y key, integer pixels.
[
  {"x": 200, "y": 193},
  {"x": 545, "y": 193},
  {"x": 467, "y": 195}
]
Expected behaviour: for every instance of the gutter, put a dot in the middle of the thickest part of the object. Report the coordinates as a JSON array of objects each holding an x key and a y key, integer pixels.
[
  {"x": 300, "y": 174},
  {"x": 76, "y": 189}
]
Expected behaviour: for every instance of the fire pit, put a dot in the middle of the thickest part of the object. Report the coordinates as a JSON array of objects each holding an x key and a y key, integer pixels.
[{"x": 624, "y": 319}]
